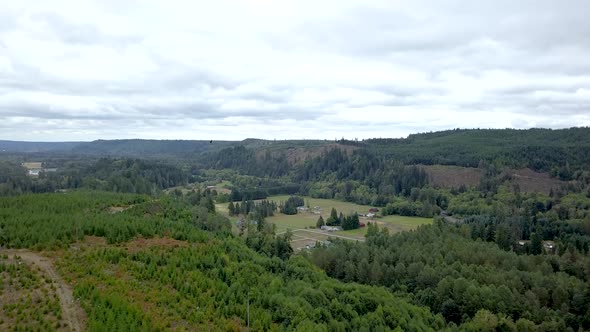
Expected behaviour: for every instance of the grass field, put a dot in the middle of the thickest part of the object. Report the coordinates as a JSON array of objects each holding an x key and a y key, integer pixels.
[{"x": 308, "y": 220}]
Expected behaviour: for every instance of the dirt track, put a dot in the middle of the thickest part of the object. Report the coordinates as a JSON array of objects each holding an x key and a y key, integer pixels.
[{"x": 71, "y": 311}]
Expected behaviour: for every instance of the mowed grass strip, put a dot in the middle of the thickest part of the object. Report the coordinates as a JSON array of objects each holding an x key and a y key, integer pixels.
[
  {"x": 326, "y": 205},
  {"x": 405, "y": 222}
]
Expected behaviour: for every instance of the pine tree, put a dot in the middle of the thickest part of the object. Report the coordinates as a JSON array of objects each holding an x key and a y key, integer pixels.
[
  {"x": 355, "y": 222},
  {"x": 231, "y": 208},
  {"x": 536, "y": 244},
  {"x": 320, "y": 222},
  {"x": 333, "y": 219}
]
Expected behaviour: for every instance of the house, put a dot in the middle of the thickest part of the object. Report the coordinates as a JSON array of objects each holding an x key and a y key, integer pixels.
[
  {"x": 302, "y": 209},
  {"x": 331, "y": 228},
  {"x": 36, "y": 168},
  {"x": 33, "y": 168},
  {"x": 210, "y": 187},
  {"x": 370, "y": 215}
]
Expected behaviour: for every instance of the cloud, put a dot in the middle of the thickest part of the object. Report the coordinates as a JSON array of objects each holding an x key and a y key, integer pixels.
[{"x": 292, "y": 69}]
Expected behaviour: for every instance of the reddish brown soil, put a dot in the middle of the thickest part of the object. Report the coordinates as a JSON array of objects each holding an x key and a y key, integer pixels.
[
  {"x": 531, "y": 181},
  {"x": 453, "y": 176},
  {"x": 141, "y": 243}
]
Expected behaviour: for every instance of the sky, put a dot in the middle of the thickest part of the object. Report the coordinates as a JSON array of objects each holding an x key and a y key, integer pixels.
[{"x": 323, "y": 69}]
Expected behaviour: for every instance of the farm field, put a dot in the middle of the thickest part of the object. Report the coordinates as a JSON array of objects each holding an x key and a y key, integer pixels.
[{"x": 303, "y": 223}]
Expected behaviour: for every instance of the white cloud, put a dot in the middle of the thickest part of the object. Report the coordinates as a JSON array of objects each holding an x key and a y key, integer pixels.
[{"x": 83, "y": 70}]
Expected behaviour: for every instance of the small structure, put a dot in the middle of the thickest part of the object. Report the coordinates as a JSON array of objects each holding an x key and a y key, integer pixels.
[
  {"x": 362, "y": 224},
  {"x": 36, "y": 168},
  {"x": 317, "y": 210},
  {"x": 549, "y": 246},
  {"x": 373, "y": 210}
]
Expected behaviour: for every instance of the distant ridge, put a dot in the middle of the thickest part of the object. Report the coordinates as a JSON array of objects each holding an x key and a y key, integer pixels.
[
  {"x": 536, "y": 147},
  {"x": 30, "y": 147},
  {"x": 149, "y": 148}
]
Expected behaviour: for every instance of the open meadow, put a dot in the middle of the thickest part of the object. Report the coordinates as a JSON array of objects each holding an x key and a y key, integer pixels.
[{"x": 303, "y": 223}]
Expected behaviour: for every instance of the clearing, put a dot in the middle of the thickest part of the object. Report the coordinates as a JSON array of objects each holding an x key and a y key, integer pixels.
[
  {"x": 453, "y": 176},
  {"x": 72, "y": 315},
  {"x": 443, "y": 176},
  {"x": 303, "y": 223}
]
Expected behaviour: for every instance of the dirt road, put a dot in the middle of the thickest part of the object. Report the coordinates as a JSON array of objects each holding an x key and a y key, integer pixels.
[
  {"x": 328, "y": 234},
  {"x": 73, "y": 315}
]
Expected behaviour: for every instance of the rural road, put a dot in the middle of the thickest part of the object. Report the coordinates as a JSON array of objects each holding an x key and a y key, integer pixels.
[{"x": 71, "y": 311}]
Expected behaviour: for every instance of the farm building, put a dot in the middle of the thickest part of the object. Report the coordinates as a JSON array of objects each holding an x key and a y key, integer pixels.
[{"x": 35, "y": 168}]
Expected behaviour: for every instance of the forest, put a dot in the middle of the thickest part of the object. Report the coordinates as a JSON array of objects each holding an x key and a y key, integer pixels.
[
  {"x": 133, "y": 226},
  {"x": 205, "y": 283}
]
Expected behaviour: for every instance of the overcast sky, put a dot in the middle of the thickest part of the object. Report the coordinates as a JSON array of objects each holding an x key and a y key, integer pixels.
[{"x": 84, "y": 70}]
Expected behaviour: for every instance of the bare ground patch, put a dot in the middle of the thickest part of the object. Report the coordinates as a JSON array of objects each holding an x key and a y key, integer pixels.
[
  {"x": 443, "y": 176},
  {"x": 72, "y": 317},
  {"x": 118, "y": 209},
  {"x": 142, "y": 243},
  {"x": 453, "y": 176},
  {"x": 531, "y": 181}
]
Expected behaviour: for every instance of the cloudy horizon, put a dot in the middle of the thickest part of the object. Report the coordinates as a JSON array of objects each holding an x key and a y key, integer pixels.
[{"x": 230, "y": 70}]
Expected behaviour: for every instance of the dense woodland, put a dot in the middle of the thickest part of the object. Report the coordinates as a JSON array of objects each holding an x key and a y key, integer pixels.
[
  {"x": 117, "y": 175},
  {"x": 204, "y": 284},
  {"x": 496, "y": 258},
  {"x": 442, "y": 267}
]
